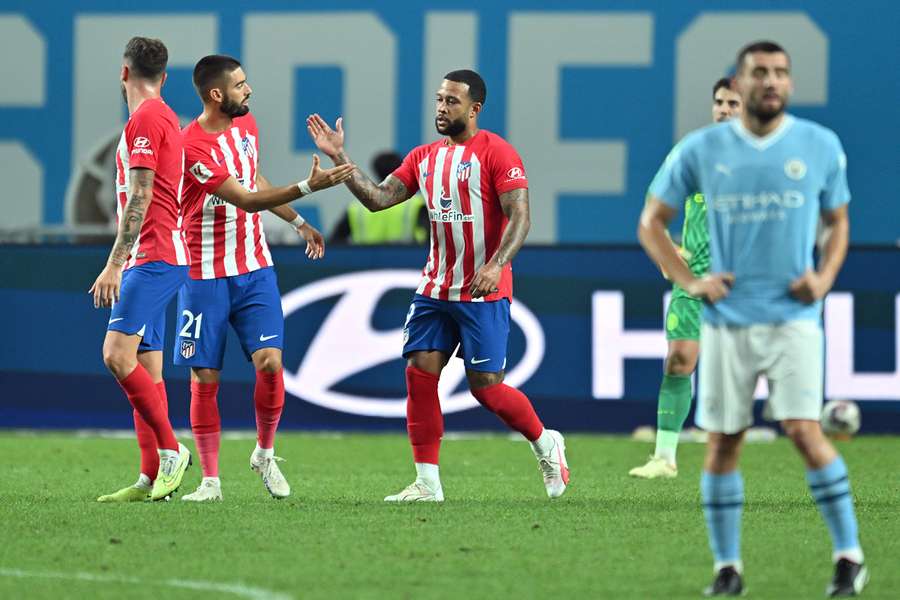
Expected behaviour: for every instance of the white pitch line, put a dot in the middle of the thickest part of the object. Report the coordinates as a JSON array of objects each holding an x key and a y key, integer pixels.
[{"x": 238, "y": 589}]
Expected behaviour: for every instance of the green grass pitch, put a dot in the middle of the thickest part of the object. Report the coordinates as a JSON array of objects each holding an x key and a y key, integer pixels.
[{"x": 496, "y": 536}]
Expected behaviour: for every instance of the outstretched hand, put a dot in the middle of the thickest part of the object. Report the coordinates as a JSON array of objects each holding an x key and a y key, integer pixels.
[
  {"x": 328, "y": 140},
  {"x": 320, "y": 179}
]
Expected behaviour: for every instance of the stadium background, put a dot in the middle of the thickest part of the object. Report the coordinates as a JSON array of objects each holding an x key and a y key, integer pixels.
[{"x": 592, "y": 94}]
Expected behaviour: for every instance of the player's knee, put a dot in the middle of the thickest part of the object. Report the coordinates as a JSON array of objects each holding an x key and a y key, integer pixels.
[
  {"x": 479, "y": 380},
  {"x": 680, "y": 362},
  {"x": 804, "y": 434},
  {"x": 117, "y": 361},
  {"x": 205, "y": 375},
  {"x": 268, "y": 362},
  {"x": 429, "y": 362}
]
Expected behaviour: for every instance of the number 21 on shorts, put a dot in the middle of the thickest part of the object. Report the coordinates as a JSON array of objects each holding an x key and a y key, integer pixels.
[{"x": 191, "y": 320}]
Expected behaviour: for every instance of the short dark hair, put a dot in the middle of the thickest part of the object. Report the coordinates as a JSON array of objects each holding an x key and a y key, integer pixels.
[
  {"x": 477, "y": 87},
  {"x": 146, "y": 57},
  {"x": 386, "y": 163},
  {"x": 209, "y": 70},
  {"x": 765, "y": 46},
  {"x": 724, "y": 82}
]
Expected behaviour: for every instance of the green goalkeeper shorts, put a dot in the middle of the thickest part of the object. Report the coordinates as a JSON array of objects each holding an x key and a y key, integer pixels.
[{"x": 683, "y": 318}]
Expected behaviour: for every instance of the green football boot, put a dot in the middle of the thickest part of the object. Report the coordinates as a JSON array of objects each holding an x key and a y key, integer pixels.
[
  {"x": 132, "y": 493},
  {"x": 171, "y": 472}
]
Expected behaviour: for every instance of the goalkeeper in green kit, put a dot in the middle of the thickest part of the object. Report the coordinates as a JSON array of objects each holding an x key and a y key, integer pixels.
[{"x": 683, "y": 319}]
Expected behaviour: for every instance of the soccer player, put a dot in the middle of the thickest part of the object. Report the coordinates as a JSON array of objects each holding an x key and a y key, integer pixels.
[
  {"x": 148, "y": 263},
  {"x": 476, "y": 191},
  {"x": 766, "y": 177},
  {"x": 232, "y": 278},
  {"x": 683, "y": 318}
]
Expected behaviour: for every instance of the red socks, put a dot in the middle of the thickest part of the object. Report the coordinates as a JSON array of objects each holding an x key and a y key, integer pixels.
[
  {"x": 268, "y": 396},
  {"x": 147, "y": 439},
  {"x": 424, "y": 421},
  {"x": 513, "y": 408},
  {"x": 206, "y": 425},
  {"x": 145, "y": 397}
]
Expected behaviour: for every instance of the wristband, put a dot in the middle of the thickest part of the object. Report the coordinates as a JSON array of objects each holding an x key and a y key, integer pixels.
[
  {"x": 298, "y": 222},
  {"x": 304, "y": 187}
]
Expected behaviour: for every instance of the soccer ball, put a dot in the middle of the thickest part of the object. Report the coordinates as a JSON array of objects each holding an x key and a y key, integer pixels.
[{"x": 840, "y": 417}]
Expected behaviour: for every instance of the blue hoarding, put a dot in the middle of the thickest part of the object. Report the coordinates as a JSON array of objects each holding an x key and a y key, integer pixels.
[
  {"x": 592, "y": 93},
  {"x": 586, "y": 344}
]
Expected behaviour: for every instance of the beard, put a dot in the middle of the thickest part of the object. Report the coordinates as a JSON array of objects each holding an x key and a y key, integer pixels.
[
  {"x": 452, "y": 128},
  {"x": 763, "y": 113},
  {"x": 234, "y": 109}
]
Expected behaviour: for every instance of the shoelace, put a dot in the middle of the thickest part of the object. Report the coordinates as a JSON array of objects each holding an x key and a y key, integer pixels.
[
  {"x": 268, "y": 472},
  {"x": 168, "y": 466},
  {"x": 546, "y": 467},
  {"x": 416, "y": 488}
]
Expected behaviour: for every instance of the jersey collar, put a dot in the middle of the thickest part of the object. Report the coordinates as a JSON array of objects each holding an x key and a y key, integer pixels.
[{"x": 761, "y": 143}]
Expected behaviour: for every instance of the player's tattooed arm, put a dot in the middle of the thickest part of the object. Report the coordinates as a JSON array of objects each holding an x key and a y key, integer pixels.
[
  {"x": 515, "y": 206},
  {"x": 373, "y": 196},
  {"x": 140, "y": 193}
]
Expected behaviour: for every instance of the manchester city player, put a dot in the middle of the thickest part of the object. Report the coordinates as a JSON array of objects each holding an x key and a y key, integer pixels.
[{"x": 766, "y": 178}]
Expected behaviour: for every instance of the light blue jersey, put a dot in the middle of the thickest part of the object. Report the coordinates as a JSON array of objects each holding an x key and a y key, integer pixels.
[{"x": 763, "y": 199}]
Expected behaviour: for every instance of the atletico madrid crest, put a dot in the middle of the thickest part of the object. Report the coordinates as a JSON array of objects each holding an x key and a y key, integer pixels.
[
  {"x": 187, "y": 348},
  {"x": 463, "y": 171}
]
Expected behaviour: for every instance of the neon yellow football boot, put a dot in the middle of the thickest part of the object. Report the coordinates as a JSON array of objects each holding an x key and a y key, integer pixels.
[
  {"x": 171, "y": 472},
  {"x": 132, "y": 493}
]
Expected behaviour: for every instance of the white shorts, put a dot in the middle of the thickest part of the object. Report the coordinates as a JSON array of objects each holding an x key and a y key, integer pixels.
[{"x": 789, "y": 355}]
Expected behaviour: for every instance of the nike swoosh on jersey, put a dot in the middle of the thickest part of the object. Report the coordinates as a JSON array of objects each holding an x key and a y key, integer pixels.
[
  {"x": 478, "y": 361},
  {"x": 111, "y": 321},
  {"x": 266, "y": 338}
]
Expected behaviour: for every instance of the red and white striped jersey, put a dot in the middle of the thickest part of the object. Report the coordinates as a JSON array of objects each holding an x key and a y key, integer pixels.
[
  {"x": 152, "y": 140},
  {"x": 224, "y": 240},
  {"x": 462, "y": 184}
]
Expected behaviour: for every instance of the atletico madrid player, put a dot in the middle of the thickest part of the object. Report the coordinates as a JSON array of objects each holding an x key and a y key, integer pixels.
[
  {"x": 476, "y": 192},
  {"x": 147, "y": 265},
  {"x": 232, "y": 279}
]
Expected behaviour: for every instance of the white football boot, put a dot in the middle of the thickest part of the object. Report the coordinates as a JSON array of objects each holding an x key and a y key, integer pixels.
[
  {"x": 553, "y": 465},
  {"x": 207, "y": 491},
  {"x": 656, "y": 468},
  {"x": 417, "y": 491},
  {"x": 272, "y": 478}
]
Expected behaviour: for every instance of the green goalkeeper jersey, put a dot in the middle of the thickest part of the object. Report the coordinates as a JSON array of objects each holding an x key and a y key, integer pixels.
[{"x": 694, "y": 238}]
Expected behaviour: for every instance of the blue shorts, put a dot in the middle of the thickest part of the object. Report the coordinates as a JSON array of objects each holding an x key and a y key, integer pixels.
[
  {"x": 250, "y": 302},
  {"x": 480, "y": 329},
  {"x": 146, "y": 291}
]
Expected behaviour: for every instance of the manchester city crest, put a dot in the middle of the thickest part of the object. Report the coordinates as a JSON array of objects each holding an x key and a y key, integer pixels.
[{"x": 795, "y": 168}]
